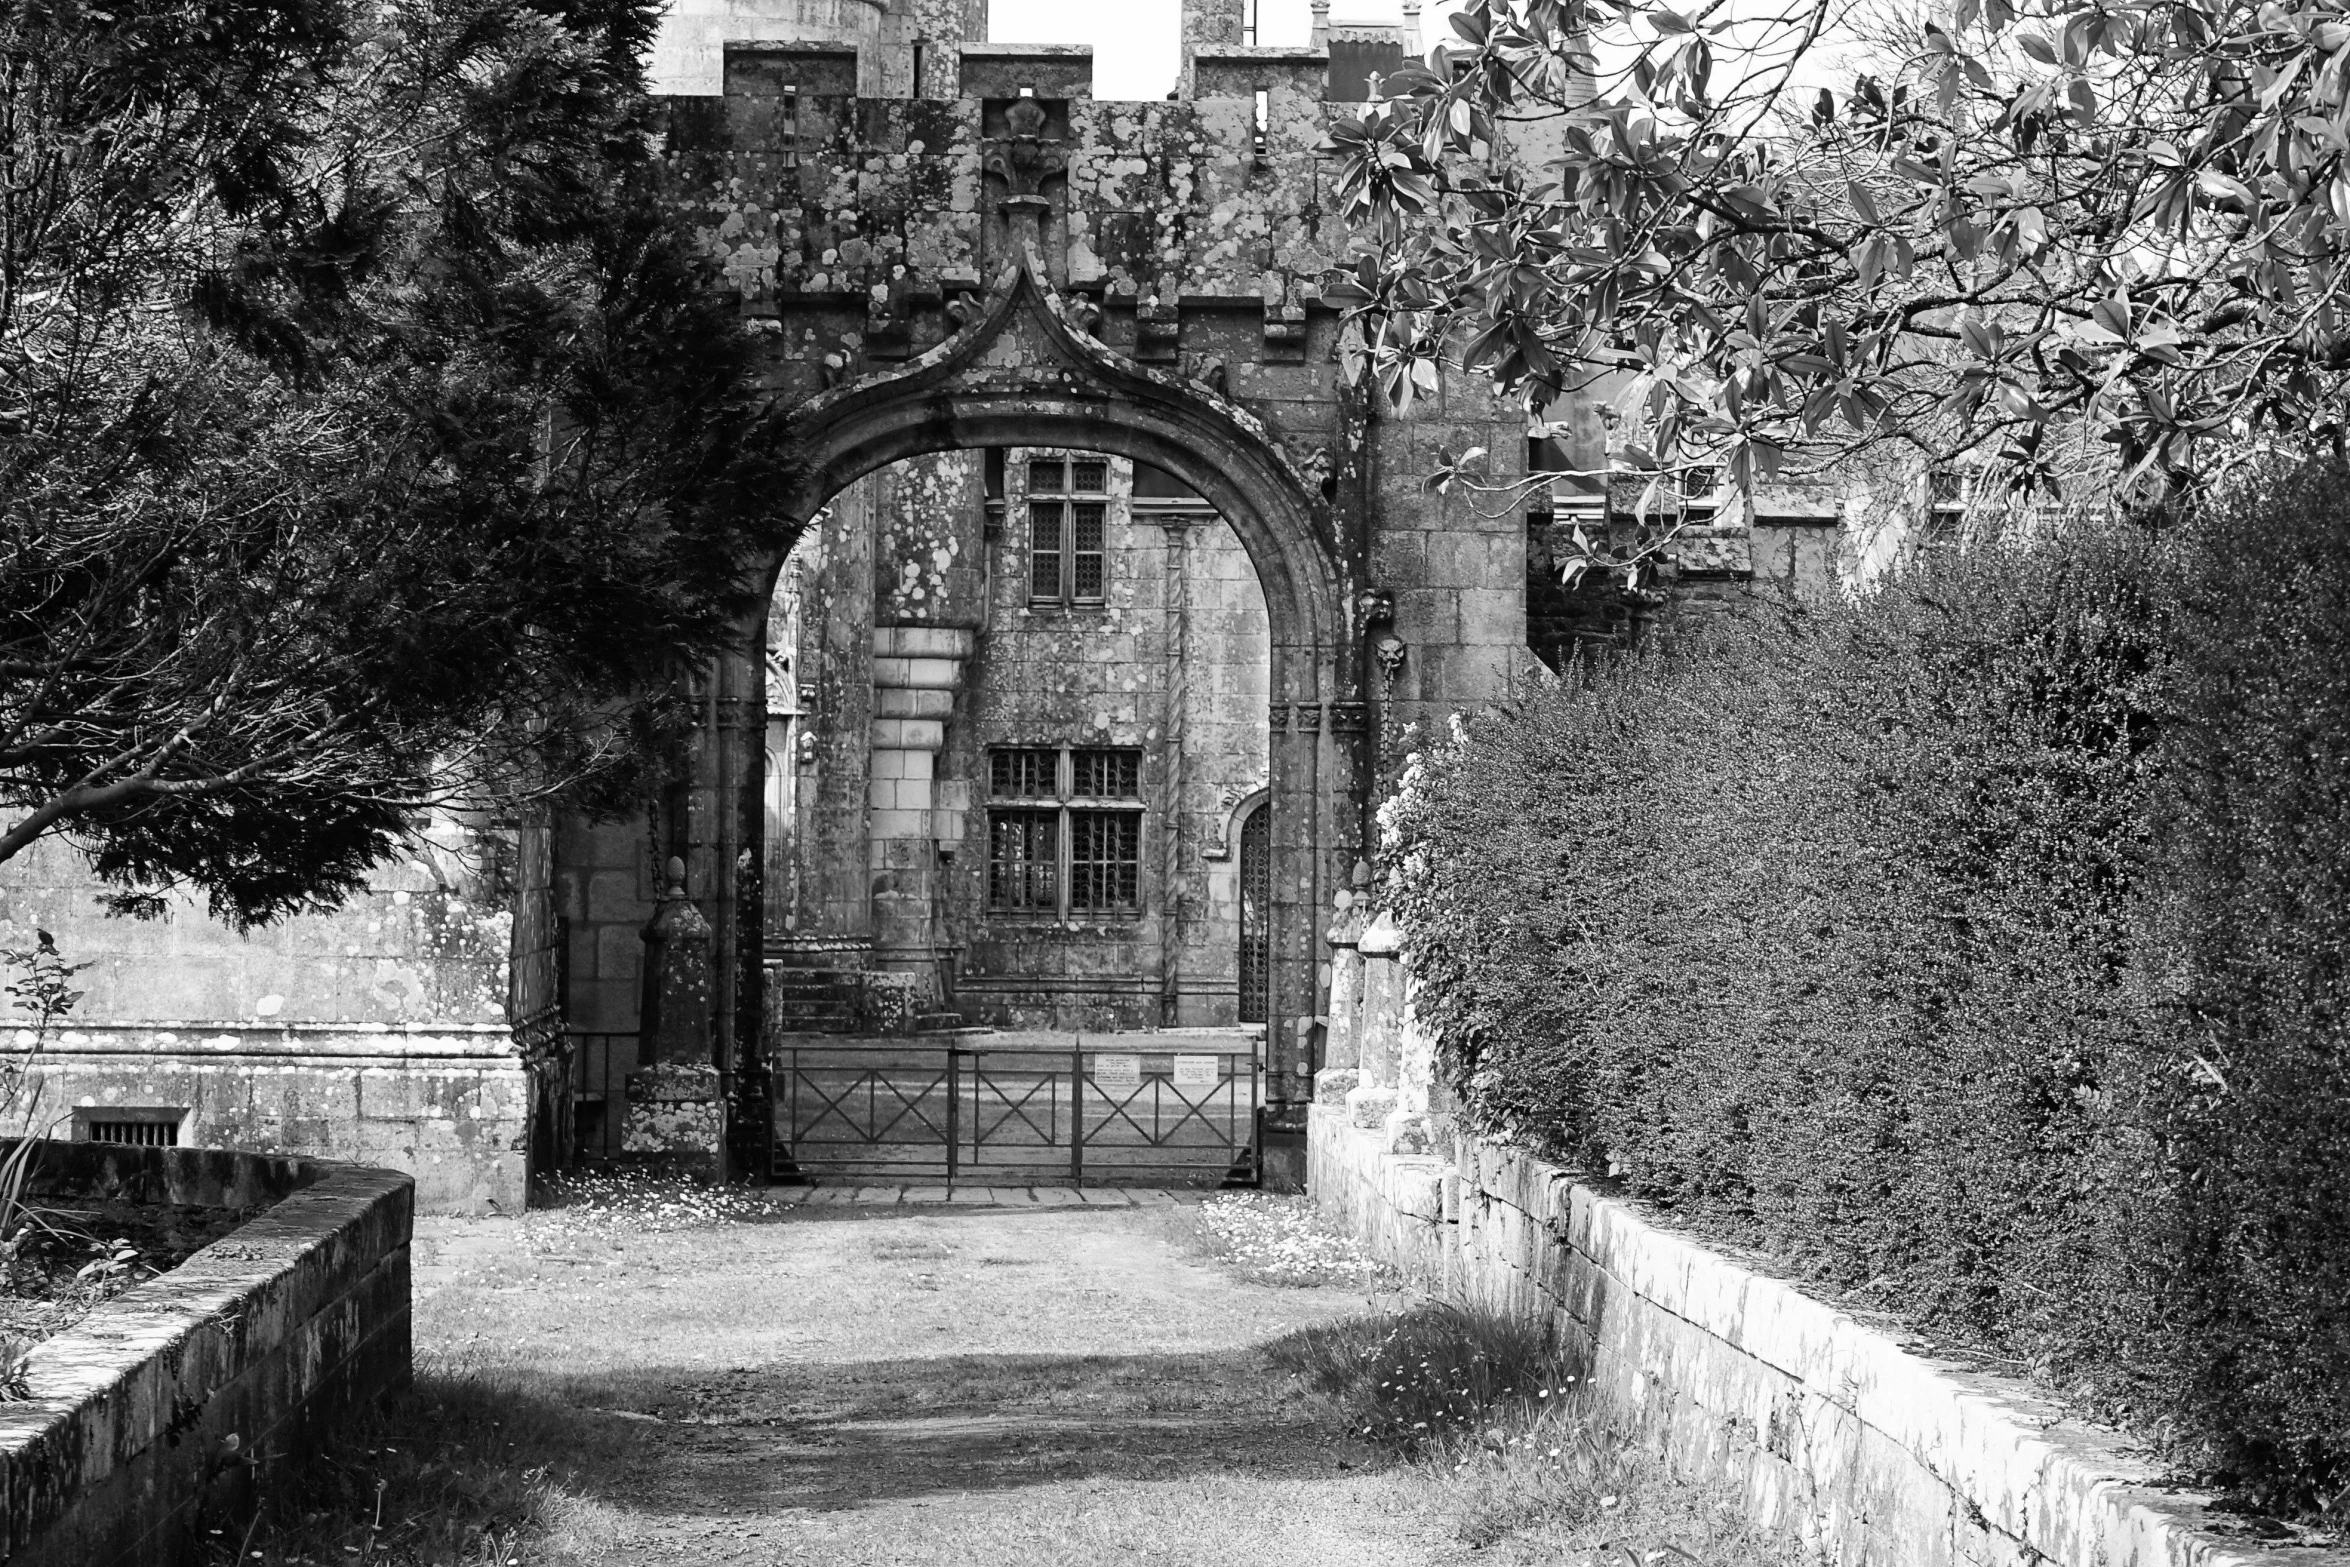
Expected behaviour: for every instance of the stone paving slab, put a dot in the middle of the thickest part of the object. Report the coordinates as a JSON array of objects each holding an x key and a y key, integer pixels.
[{"x": 963, "y": 1195}]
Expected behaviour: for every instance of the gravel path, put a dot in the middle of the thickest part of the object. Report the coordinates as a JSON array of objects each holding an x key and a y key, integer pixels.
[{"x": 990, "y": 1387}]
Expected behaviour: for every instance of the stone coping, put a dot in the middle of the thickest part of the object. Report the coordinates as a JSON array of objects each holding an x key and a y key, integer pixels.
[
  {"x": 213, "y": 1373},
  {"x": 391, "y": 1042},
  {"x": 996, "y": 51},
  {"x": 1260, "y": 54},
  {"x": 194, "y": 1177},
  {"x": 1523, "y": 1235}
]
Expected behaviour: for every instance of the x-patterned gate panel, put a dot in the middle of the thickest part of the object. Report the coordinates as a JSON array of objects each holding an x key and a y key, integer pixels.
[
  {"x": 1020, "y": 1112},
  {"x": 879, "y": 1110}
]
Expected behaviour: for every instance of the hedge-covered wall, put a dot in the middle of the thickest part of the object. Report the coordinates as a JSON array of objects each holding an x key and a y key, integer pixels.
[{"x": 1976, "y": 947}]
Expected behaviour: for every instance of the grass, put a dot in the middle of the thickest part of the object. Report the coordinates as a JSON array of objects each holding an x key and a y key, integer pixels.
[
  {"x": 466, "y": 1468},
  {"x": 1495, "y": 1425},
  {"x": 1279, "y": 1240}
]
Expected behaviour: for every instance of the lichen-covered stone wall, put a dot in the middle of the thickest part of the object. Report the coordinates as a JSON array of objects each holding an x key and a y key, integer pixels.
[
  {"x": 156, "y": 1426},
  {"x": 379, "y": 1032},
  {"x": 1173, "y": 662}
]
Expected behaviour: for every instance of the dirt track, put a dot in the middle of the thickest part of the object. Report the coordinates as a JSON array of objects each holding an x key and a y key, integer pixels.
[{"x": 967, "y": 1385}]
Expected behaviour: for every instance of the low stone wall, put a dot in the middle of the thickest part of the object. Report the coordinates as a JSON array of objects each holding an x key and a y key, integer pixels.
[
  {"x": 446, "y": 1103},
  {"x": 1873, "y": 1456},
  {"x": 170, "y": 1408}
]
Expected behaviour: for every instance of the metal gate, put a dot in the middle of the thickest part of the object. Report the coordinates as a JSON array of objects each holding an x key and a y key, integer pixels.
[
  {"x": 1013, "y": 1114},
  {"x": 1256, "y": 909}
]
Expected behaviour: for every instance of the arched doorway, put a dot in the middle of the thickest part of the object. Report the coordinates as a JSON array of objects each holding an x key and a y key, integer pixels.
[{"x": 1021, "y": 375}]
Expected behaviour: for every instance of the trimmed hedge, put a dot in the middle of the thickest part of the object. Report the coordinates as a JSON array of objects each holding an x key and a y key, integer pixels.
[{"x": 1978, "y": 948}]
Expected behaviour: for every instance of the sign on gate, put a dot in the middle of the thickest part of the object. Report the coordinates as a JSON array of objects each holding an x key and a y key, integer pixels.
[
  {"x": 1117, "y": 1071},
  {"x": 1198, "y": 1071}
]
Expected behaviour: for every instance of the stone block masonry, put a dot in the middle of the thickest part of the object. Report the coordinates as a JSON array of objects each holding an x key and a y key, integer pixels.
[
  {"x": 171, "y": 1407},
  {"x": 447, "y": 1104},
  {"x": 1832, "y": 1434}
]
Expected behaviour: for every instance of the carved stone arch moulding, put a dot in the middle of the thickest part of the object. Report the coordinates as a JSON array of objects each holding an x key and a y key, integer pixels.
[
  {"x": 1022, "y": 370},
  {"x": 1236, "y": 809}
]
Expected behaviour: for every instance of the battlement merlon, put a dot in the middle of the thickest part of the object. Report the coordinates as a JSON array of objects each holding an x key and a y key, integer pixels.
[
  {"x": 905, "y": 48},
  {"x": 855, "y": 223}
]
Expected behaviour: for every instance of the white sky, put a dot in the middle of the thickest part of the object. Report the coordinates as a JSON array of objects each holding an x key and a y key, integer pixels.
[{"x": 1134, "y": 40}]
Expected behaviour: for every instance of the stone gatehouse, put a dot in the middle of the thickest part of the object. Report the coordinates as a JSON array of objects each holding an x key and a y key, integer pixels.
[{"x": 1102, "y": 605}]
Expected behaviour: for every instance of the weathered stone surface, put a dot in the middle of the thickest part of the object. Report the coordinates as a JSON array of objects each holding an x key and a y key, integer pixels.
[
  {"x": 676, "y": 1117},
  {"x": 180, "y": 1401},
  {"x": 1829, "y": 1431},
  {"x": 947, "y": 243},
  {"x": 1333, "y": 1084}
]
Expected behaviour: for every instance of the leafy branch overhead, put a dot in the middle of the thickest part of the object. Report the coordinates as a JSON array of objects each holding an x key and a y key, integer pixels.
[
  {"x": 368, "y": 432},
  {"x": 2026, "y": 225}
]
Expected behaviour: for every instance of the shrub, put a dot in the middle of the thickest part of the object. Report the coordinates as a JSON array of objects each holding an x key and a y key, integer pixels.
[{"x": 1975, "y": 946}]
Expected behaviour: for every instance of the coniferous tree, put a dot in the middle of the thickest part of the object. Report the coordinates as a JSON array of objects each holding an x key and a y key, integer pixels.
[{"x": 369, "y": 436}]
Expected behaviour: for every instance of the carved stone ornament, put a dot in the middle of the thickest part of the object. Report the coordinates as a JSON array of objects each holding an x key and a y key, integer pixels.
[
  {"x": 1389, "y": 650},
  {"x": 1320, "y": 469},
  {"x": 1349, "y": 718},
  {"x": 1024, "y": 157},
  {"x": 1375, "y": 607},
  {"x": 1309, "y": 719}
]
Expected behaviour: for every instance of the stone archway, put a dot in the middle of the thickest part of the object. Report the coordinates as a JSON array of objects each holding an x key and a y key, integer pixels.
[{"x": 1022, "y": 372}]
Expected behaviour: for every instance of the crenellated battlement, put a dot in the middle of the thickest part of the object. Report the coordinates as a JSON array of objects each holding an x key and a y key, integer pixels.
[{"x": 1198, "y": 225}]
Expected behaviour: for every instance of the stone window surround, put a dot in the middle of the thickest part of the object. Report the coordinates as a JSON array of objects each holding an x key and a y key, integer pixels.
[
  {"x": 1060, "y": 533},
  {"x": 1064, "y": 806}
]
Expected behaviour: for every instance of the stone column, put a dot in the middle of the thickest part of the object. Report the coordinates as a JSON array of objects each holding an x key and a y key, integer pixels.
[
  {"x": 676, "y": 1105},
  {"x": 1174, "y": 716},
  {"x": 916, "y": 672}
]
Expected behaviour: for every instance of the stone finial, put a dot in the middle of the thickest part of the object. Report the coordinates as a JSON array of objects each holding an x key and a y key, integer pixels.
[
  {"x": 673, "y": 878},
  {"x": 1321, "y": 34},
  {"x": 1411, "y": 29}
]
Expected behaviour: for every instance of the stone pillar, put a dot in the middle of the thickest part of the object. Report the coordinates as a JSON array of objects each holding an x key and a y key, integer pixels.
[
  {"x": 1407, "y": 1126},
  {"x": 676, "y": 1102},
  {"x": 1372, "y": 1098},
  {"x": 739, "y": 930},
  {"x": 1207, "y": 24},
  {"x": 1342, "y": 1040},
  {"x": 916, "y": 672},
  {"x": 1290, "y": 1015}
]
